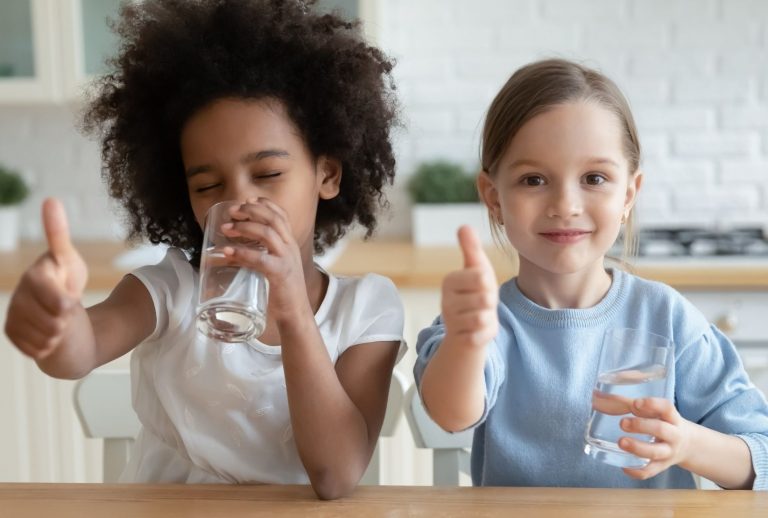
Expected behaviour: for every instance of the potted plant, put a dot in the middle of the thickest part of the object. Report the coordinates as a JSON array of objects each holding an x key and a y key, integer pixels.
[
  {"x": 13, "y": 190},
  {"x": 445, "y": 197}
]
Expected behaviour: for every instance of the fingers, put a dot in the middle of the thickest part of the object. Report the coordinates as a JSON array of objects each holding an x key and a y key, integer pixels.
[
  {"x": 472, "y": 249},
  {"x": 656, "y": 408},
  {"x": 646, "y": 472},
  {"x": 663, "y": 424},
  {"x": 56, "y": 228},
  {"x": 264, "y": 212},
  {"x": 471, "y": 301},
  {"x": 46, "y": 290},
  {"x": 611, "y": 404},
  {"x": 661, "y": 451},
  {"x": 34, "y": 328},
  {"x": 470, "y": 295}
]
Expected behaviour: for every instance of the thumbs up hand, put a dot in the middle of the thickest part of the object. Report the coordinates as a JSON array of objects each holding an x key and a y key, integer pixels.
[
  {"x": 470, "y": 295},
  {"x": 43, "y": 303}
]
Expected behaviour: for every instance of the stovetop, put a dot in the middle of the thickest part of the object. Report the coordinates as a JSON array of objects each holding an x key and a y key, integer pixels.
[
  {"x": 699, "y": 242},
  {"x": 688, "y": 246}
]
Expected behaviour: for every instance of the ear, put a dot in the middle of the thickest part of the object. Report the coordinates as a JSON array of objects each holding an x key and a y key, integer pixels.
[
  {"x": 489, "y": 195},
  {"x": 633, "y": 187},
  {"x": 328, "y": 177}
]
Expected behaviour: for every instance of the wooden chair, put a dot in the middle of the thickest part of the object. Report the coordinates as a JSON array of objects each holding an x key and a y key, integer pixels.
[
  {"x": 397, "y": 390},
  {"x": 103, "y": 406},
  {"x": 450, "y": 450}
]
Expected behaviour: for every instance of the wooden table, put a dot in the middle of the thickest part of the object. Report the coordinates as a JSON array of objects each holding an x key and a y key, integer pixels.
[{"x": 165, "y": 501}]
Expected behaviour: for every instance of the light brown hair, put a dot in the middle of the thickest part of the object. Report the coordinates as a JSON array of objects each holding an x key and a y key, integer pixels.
[{"x": 540, "y": 86}]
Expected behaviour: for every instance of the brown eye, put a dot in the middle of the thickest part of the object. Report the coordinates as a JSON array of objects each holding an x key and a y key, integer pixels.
[
  {"x": 533, "y": 181},
  {"x": 594, "y": 179}
]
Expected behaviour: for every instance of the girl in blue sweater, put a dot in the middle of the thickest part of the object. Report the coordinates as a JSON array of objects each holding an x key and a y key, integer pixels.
[{"x": 560, "y": 176}]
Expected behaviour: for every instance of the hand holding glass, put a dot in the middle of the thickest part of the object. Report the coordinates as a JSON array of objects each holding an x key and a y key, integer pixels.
[
  {"x": 232, "y": 300},
  {"x": 633, "y": 364}
]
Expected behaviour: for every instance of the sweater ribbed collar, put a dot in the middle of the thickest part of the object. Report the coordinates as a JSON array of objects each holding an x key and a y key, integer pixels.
[{"x": 597, "y": 315}]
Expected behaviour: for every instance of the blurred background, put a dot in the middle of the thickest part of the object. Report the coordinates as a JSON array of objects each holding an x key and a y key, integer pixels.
[{"x": 694, "y": 71}]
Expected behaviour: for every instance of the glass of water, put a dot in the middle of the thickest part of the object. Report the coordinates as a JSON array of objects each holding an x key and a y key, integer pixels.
[
  {"x": 633, "y": 364},
  {"x": 232, "y": 300}
]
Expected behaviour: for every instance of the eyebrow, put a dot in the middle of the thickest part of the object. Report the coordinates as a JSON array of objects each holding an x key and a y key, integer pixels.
[
  {"x": 250, "y": 157},
  {"x": 533, "y": 163}
]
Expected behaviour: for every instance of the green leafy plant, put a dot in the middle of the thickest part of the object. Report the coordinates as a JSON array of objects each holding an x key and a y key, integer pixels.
[
  {"x": 441, "y": 181},
  {"x": 13, "y": 188}
]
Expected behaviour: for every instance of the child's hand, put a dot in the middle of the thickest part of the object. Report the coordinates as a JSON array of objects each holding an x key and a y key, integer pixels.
[
  {"x": 470, "y": 295},
  {"x": 659, "y": 418},
  {"x": 280, "y": 259},
  {"x": 42, "y": 304}
]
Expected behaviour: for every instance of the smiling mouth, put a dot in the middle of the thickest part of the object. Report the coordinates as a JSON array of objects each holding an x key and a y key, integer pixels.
[{"x": 565, "y": 236}]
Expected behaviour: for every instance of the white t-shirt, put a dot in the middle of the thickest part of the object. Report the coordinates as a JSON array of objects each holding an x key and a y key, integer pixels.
[{"x": 218, "y": 412}]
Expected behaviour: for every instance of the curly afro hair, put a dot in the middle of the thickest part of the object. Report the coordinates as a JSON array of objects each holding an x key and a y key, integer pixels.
[{"x": 179, "y": 55}]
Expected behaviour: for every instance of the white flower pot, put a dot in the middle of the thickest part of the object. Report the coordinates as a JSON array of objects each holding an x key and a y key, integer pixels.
[
  {"x": 435, "y": 224},
  {"x": 9, "y": 228}
]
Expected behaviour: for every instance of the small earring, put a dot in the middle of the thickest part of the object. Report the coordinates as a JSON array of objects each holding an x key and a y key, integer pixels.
[{"x": 624, "y": 218}]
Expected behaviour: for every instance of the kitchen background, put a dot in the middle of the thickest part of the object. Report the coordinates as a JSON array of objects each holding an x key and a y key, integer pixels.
[{"x": 695, "y": 72}]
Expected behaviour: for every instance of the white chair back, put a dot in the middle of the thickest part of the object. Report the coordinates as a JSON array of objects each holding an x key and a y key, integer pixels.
[
  {"x": 103, "y": 406},
  {"x": 450, "y": 450},
  {"x": 397, "y": 390}
]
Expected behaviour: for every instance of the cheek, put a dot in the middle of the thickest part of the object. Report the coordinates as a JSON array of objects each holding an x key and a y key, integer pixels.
[{"x": 199, "y": 213}]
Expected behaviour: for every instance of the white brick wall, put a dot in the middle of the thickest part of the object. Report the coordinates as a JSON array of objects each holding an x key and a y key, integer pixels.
[{"x": 695, "y": 72}]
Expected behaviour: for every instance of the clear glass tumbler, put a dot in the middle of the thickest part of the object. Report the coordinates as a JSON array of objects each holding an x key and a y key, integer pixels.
[
  {"x": 232, "y": 300},
  {"x": 633, "y": 364}
]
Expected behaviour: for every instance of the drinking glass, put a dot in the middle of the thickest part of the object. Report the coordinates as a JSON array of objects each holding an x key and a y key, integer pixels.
[
  {"x": 633, "y": 364},
  {"x": 232, "y": 300}
]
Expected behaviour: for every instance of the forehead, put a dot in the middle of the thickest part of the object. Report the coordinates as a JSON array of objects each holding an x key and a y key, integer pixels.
[
  {"x": 238, "y": 120},
  {"x": 570, "y": 130}
]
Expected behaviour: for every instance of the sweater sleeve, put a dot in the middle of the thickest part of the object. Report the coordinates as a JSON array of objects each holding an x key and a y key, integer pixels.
[
  {"x": 713, "y": 390},
  {"x": 427, "y": 344}
]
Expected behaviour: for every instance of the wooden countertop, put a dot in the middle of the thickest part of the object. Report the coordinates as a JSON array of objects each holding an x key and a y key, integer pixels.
[
  {"x": 99, "y": 255},
  {"x": 232, "y": 501},
  {"x": 408, "y": 266},
  {"x": 413, "y": 267}
]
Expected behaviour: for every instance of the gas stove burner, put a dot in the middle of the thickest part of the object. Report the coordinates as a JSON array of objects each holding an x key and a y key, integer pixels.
[{"x": 702, "y": 242}]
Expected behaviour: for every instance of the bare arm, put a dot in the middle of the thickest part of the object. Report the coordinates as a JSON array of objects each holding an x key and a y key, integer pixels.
[
  {"x": 103, "y": 332},
  {"x": 47, "y": 321},
  {"x": 336, "y": 413},
  {"x": 721, "y": 458},
  {"x": 453, "y": 384}
]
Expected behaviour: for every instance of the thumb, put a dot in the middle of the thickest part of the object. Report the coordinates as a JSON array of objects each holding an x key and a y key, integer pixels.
[
  {"x": 56, "y": 228},
  {"x": 472, "y": 249}
]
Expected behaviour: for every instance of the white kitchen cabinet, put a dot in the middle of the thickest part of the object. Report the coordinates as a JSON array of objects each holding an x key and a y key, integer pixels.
[
  {"x": 49, "y": 49},
  {"x": 28, "y": 48},
  {"x": 41, "y": 439},
  {"x": 741, "y": 315}
]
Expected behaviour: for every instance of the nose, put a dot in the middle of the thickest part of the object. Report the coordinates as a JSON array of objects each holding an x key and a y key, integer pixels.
[
  {"x": 565, "y": 202},
  {"x": 239, "y": 189}
]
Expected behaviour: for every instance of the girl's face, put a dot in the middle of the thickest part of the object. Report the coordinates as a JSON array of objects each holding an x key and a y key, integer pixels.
[
  {"x": 562, "y": 187},
  {"x": 235, "y": 149}
]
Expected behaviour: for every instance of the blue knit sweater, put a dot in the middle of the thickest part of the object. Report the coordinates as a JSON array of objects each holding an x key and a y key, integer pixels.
[{"x": 541, "y": 370}]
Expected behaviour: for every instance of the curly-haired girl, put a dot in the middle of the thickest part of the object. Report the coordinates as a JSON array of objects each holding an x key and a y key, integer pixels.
[{"x": 288, "y": 112}]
